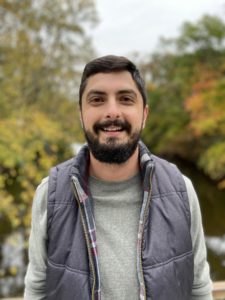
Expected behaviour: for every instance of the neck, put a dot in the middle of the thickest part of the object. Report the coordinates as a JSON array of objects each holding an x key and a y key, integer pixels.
[{"x": 114, "y": 172}]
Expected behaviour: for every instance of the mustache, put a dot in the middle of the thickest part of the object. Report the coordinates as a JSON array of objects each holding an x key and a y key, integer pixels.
[{"x": 123, "y": 124}]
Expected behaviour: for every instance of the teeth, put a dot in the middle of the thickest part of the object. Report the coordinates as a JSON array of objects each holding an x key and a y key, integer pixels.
[{"x": 112, "y": 128}]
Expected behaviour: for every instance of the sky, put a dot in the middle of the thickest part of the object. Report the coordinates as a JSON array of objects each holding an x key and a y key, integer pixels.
[{"x": 128, "y": 26}]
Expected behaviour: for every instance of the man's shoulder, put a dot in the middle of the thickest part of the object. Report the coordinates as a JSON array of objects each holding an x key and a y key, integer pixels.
[
  {"x": 166, "y": 165},
  {"x": 159, "y": 159},
  {"x": 44, "y": 184},
  {"x": 166, "y": 162},
  {"x": 65, "y": 163},
  {"x": 75, "y": 160}
]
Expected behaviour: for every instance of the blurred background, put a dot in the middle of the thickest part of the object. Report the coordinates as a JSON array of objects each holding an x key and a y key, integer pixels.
[{"x": 180, "y": 48}]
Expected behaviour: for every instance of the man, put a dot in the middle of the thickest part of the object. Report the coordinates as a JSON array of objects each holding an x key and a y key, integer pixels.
[{"x": 116, "y": 222}]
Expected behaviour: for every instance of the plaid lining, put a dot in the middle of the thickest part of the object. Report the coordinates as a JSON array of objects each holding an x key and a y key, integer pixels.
[
  {"x": 146, "y": 165},
  {"x": 139, "y": 247},
  {"x": 87, "y": 209}
]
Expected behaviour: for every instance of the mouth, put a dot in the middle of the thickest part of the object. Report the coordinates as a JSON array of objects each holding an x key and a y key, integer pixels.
[
  {"x": 112, "y": 127},
  {"x": 112, "y": 131}
]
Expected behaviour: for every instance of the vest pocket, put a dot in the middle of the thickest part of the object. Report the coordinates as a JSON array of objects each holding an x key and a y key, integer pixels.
[
  {"x": 170, "y": 280},
  {"x": 66, "y": 283}
]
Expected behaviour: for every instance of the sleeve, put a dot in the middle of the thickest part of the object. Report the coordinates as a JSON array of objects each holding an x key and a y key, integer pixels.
[
  {"x": 202, "y": 285},
  {"x": 35, "y": 279}
]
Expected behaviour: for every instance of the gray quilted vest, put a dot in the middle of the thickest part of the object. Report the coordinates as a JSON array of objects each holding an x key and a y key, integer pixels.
[{"x": 166, "y": 255}]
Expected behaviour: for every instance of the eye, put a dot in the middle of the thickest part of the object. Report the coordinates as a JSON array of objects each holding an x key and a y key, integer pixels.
[
  {"x": 127, "y": 99},
  {"x": 96, "y": 100}
]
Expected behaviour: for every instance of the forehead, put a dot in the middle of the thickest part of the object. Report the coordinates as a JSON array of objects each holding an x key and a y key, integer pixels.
[{"x": 111, "y": 82}]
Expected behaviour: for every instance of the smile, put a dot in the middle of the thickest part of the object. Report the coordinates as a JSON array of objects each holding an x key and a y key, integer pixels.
[{"x": 112, "y": 129}]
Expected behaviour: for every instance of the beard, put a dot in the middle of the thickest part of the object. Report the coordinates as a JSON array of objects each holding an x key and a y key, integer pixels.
[{"x": 111, "y": 151}]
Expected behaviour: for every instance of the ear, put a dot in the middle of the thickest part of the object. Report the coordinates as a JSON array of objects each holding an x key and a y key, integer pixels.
[{"x": 145, "y": 115}]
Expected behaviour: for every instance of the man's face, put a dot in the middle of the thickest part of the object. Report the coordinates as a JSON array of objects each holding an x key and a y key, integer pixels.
[{"x": 112, "y": 116}]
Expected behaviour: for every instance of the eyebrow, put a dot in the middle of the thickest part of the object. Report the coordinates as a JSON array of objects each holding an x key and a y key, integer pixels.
[
  {"x": 127, "y": 91},
  {"x": 95, "y": 92},
  {"x": 120, "y": 92}
]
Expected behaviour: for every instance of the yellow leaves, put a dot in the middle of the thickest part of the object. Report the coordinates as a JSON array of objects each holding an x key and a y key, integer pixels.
[
  {"x": 6, "y": 201},
  {"x": 38, "y": 74},
  {"x": 8, "y": 208},
  {"x": 30, "y": 145},
  {"x": 212, "y": 161},
  {"x": 150, "y": 86},
  {"x": 207, "y": 112},
  {"x": 188, "y": 100},
  {"x": 27, "y": 220},
  {"x": 194, "y": 104},
  {"x": 221, "y": 184},
  {"x": 26, "y": 195},
  {"x": 30, "y": 171},
  {"x": 13, "y": 270},
  {"x": 207, "y": 122},
  {"x": 25, "y": 184},
  {"x": 2, "y": 182}
]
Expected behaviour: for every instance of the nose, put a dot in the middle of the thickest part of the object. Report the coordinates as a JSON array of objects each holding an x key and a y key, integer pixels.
[{"x": 112, "y": 109}]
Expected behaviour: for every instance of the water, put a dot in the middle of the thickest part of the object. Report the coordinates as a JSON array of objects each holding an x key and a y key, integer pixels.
[
  {"x": 12, "y": 266},
  {"x": 216, "y": 253},
  {"x": 212, "y": 202}
]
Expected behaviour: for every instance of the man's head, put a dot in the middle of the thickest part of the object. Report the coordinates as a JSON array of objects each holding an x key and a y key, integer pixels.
[
  {"x": 113, "y": 108},
  {"x": 109, "y": 64}
]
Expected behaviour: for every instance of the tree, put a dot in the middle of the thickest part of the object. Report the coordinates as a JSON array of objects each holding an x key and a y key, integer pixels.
[
  {"x": 43, "y": 46},
  {"x": 187, "y": 97}
]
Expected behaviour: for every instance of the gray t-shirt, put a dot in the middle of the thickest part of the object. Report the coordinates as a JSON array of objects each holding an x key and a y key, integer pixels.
[
  {"x": 117, "y": 209},
  {"x": 35, "y": 279}
]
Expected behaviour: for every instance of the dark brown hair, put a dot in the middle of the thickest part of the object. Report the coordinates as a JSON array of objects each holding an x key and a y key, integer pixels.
[{"x": 108, "y": 64}]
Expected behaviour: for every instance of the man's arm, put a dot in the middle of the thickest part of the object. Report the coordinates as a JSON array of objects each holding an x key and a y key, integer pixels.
[
  {"x": 35, "y": 279},
  {"x": 202, "y": 286}
]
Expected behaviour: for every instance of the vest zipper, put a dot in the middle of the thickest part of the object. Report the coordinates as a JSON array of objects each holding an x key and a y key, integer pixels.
[
  {"x": 146, "y": 212},
  {"x": 83, "y": 220}
]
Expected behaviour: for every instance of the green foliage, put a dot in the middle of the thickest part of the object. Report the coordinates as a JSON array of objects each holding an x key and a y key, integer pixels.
[
  {"x": 187, "y": 97},
  {"x": 208, "y": 32},
  {"x": 29, "y": 145},
  {"x": 213, "y": 160},
  {"x": 43, "y": 46}
]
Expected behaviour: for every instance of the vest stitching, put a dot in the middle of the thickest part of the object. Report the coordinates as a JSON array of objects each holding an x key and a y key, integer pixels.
[
  {"x": 168, "y": 194},
  {"x": 73, "y": 270},
  {"x": 170, "y": 260},
  {"x": 51, "y": 195},
  {"x": 61, "y": 203},
  {"x": 179, "y": 194}
]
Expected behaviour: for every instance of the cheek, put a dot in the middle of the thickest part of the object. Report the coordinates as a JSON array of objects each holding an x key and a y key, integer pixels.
[
  {"x": 136, "y": 120},
  {"x": 88, "y": 119}
]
